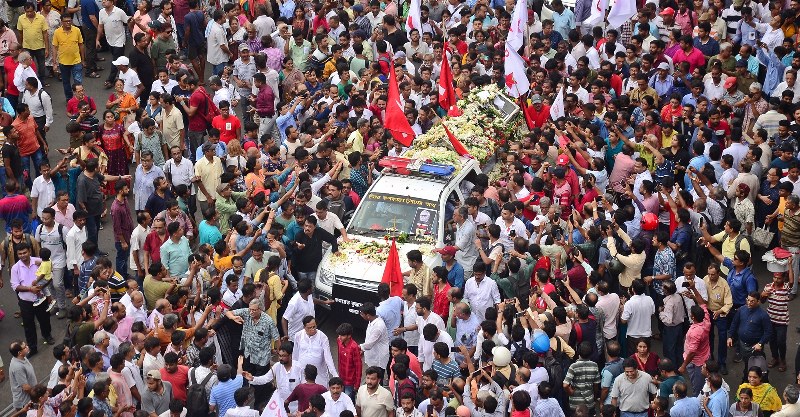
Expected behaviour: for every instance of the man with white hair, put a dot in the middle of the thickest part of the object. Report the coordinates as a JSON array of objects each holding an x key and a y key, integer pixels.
[
  {"x": 102, "y": 344},
  {"x": 790, "y": 406},
  {"x": 24, "y": 70},
  {"x": 134, "y": 306}
]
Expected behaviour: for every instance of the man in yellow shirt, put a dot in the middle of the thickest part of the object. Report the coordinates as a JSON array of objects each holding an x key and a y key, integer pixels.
[
  {"x": 68, "y": 43},
  {"x": 356, "y": 139},
  {"x": 33, "y": 36}
]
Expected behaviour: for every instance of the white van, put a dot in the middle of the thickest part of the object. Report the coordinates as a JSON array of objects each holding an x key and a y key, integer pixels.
[{"x": 414, "y": 206}]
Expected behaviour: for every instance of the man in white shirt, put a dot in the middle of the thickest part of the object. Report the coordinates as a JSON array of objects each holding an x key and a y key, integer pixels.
[
  {"x": 299, "y": 306},
  {"x": 376, "y": 341},
  {"x": 132, "y": 83},
  {"x": 637, "y": 313},
  {"x": 329, "y": 221},
  {"x": 286, "y": 376},
  {"x": 164, "y": 84},
  {"x": 481, "y": 293},
  {"x": 682, "y": 284},
  {"x": 40, "y": 104},
  {"x": 335, "y": 402},
  {"x": 75, "y": 238},
  {"x": 112, "y": 24},
  {"x": 608, "y": 303},
  {"x": 431, "y": 335},
  {"x": 264, "y": 24}
]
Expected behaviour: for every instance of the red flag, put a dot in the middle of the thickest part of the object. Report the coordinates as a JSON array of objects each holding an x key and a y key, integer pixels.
[
  {"x": 457, "y": 145},
  {"x": 447, "y": 94},
  {"x": 392, "y": 274},
  {"x": 396, "y": 121}
]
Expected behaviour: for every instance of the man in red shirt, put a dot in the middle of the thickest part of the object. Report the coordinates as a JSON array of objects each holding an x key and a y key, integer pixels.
[
  {"x": 537, "y": 113},
  {"x": 228, "y": 125},
  {"x": 441, "y": 305},
  {"x": 349, "y": 362},
  {"x": 153, "y": 242},
  {"x": 177, "y": 375}
]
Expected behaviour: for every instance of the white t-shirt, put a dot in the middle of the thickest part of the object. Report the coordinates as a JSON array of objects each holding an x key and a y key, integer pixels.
[
  {"x": 330, "y": 223},
  {"x": 45, "y": 191},
  {"x": 131, "y": 80},
  {"x": 137, "y": 243},
  {"x": 216, "y": 39},
  {"x": 638, "y": 312},
  {"x": 295, "y": 311},
  {"x": 114, "y": 26}
]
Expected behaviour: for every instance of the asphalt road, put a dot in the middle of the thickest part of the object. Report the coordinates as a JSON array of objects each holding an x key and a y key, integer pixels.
[{"x": 11, "y": 328}]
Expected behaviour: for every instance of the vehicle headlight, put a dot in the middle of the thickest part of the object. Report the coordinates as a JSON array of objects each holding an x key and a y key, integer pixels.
[{"x": 326, "y": 276}]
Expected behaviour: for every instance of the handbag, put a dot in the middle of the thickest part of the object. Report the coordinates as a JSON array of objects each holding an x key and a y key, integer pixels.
[
  {"x": 762, "y": 236},
  {"x": 616, "y": 266}
]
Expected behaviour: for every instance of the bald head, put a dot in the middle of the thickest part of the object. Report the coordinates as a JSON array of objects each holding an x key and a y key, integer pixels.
[
  {"x": 462, "y": 411},
  {"x": 524, "y": 374}
]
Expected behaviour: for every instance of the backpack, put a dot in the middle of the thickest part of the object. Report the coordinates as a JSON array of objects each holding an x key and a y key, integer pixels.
[
  {"x": 556, "y": 363},
  {"x": 60, "y": 234},
  {"x": 522, "y": 286},
  {"x": 519, "y": 352},
  {"x": 197, "y": 395},
  {"x": 740, "y": 237},
  {"x": 503, "y": 260},
  {"x": 711, "y": 228}
]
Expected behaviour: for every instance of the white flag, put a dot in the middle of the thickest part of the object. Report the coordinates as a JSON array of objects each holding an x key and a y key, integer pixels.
[
  {"x": 621, "y": 12},
  {"x": 274, "y": 407},
  {"x": 557, "y": 106},
  {"x": 414, "y": 19},
  {"x": 519, "y": 21},
  {"x": 516, "y": 80},
  {"x": 598, "y": 12}
]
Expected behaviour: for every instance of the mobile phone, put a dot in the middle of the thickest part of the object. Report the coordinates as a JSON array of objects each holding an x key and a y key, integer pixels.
[
  {"x": 518, "y": 315},
  {"x": 430, "y": 409},
  {"x": 455, "y": 349}
]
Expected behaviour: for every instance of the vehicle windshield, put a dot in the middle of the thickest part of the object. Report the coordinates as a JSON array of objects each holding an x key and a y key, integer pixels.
[{"x": 380, "y": 213}]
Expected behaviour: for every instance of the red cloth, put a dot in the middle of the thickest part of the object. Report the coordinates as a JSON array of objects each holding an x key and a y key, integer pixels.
[
  {"x": 542, "y": 263},
  {"x": 303, "y": 392},
  {"x": 392, "y": 274},
  {"x": 457, "y": 145},
  {"x": 441, "y": 305},
  {"x": 349, "y": 362},
  {"x": 152, "y": 244},
  {"x": 396, "y": 121},
  {"x": 447, "y": 92}
]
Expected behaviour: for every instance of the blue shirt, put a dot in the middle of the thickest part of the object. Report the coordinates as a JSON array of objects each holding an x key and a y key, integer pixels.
[
  {"x": 685, "y": 407},
  {"x": 222, "y": 394},
  {"x": 563, "y": 23},
  {"x": 698, "y": 162},
  {"x": 208, "y": 233},
  {"x": 662, "y": 87},
  {"x": 774, "y": 69},
  {"x": 389, "y": 310},
  {"x": 718, "y": 403},
  {"x": 287, "y": 9},
  {"x": 751, "y": 326},
  {"x": 89, "y": 8},
  {"x": 742, "y": 282},
  {"x": 456, "y": 275},
  {"x": 222, "y": 150},
  {"x": 710, "y": 48},
  {"x": 175, "y": 256}
]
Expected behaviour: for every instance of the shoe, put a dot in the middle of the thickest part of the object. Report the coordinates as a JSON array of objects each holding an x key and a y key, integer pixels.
[
  {"x": 102, "y": 254},
  {"x": 33, "y": 353},
  {"x": 51, "y": 306},
  {"x": 49, "y": 341},
  {"x": 737, "y": 358},
  {"x": 773, "y": 363},
  {"x": 101, "y": 227},
  {"x": 61, "y": 314},
  {"x": 782, "y": 366},
  {"x": 723, "y": 369},
  {"x": 39, "y": 301}
]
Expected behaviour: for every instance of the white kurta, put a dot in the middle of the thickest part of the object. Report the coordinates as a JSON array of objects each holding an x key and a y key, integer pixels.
[{"x": 314, "y": 350}]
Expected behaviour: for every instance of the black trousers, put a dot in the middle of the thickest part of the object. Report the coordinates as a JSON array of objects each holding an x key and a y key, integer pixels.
[
  {"x": 261, "y": 393},
  {"x": 30, "y": 315}
]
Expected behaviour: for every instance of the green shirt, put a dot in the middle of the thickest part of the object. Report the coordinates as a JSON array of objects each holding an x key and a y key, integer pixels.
[
  {"x": 157, "y": 49},
  {"x": 175, "y": 256},
  {"x": 226, "y": 207}
]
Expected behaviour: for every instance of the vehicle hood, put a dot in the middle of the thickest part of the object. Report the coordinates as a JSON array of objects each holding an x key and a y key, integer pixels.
[{"x": 356, "y": 267}]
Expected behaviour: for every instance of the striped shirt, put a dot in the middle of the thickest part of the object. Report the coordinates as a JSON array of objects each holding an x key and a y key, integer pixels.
[
  {"x": 778, "y": 308},
  {"x": 446, "y": 371},
  {"x": 790, "y": 234},
  {"x": 582, "y": 376}
]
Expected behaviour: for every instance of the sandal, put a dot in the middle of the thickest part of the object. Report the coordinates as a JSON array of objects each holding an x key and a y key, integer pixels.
[
  {"x": 93, "y": 75},
  {"x": 17, "y": 314},
  {"x": 107, "y": 85},
  {"x": 100, "y": 59}
]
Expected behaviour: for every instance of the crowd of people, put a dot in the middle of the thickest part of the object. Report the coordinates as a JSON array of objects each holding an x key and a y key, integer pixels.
[{"x": 636, "y": 217}]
